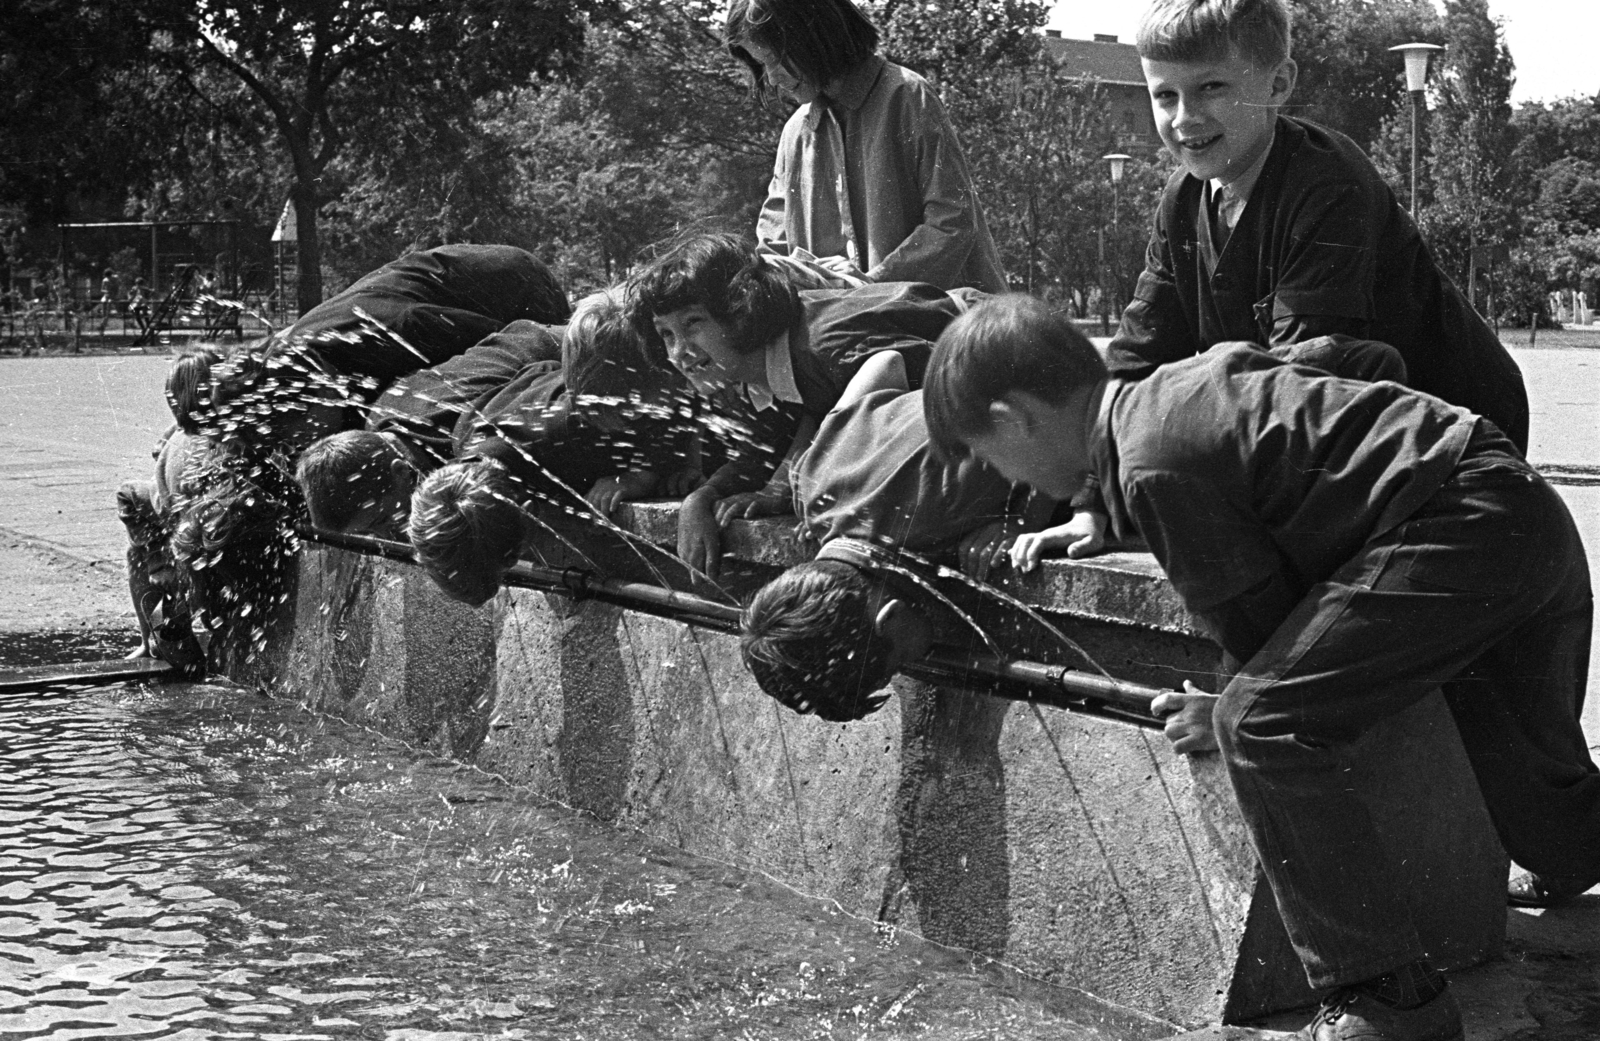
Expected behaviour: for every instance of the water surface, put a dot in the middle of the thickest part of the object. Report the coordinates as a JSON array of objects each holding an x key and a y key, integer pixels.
[{"x": 192, "y": 861}]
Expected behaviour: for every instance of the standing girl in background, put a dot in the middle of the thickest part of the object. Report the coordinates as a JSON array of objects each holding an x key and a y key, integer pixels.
[{"x": 870, "y": 182}]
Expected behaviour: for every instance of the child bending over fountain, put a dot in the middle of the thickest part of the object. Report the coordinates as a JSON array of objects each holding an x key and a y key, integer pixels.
[
  {"x": 735, "y": 326},
  {"x": 413, "y": 313},
  {"x": 233, "y": 541},
  {"x": 826, "y": 636},
  {"x": 606, "y": 426},
  {"x": 360, "y": 481},
  {"x": 1351, "y": 546}
]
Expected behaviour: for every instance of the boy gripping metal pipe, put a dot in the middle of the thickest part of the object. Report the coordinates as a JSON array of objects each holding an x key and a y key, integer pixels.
[{"x": 1351, "y": 546}]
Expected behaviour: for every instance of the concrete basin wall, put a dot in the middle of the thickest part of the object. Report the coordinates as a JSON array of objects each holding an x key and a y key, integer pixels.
[{"x": 1081, "y": 850}]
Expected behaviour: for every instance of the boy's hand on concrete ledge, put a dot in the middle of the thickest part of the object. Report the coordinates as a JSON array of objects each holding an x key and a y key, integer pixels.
[
  {"x": 610, "y": 492},
  {"x": 768, "y": 502},
  {"x": 1188, "y": 713},
  {"x": 682, "y": 482},
  {"x": 1082, "y": 536},
  {"x": 983, "y": 549},
  {"x": 699, "y": 537}
]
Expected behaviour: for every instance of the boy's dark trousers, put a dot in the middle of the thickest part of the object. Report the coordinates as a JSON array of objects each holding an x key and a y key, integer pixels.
[{"x": 1485, "y": 592}]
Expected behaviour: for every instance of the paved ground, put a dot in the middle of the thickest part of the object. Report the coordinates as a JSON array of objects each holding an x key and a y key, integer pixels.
[{"x": 71, "y": 429}]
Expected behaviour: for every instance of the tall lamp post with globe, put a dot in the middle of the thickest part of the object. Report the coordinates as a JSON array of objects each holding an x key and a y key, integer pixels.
[
  {"x": 1416, "y": 56},
  {"x": 1119, "y": 166}
]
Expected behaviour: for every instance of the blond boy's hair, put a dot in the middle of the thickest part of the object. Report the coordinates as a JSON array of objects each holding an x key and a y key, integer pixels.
[
  {"x": 1205, "y": 30},
  {"x": 466, "y": 527}
]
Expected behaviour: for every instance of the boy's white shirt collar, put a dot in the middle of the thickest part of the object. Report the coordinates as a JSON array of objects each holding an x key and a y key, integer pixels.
[
  {"x": 1233, "y": 196},
  {"x": 781, "y": 385}
]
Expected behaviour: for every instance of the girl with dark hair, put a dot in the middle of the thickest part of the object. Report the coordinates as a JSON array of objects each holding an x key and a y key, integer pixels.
[
  {"x": 870, "y": 181},
  {"x": 769, "y": 361}
]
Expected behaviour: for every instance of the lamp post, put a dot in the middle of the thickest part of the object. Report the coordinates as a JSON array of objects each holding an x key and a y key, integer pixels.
[
  {"x": 1416, "y": 55},
  {"x": 1119, "y": 166}
]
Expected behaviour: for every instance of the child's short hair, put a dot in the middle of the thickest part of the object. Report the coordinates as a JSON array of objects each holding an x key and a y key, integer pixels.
[
  {"x": 724, "y": 274},
  {"x": 1004, "y": 344},
  {"x": 810, "y": 640},
  {"x": 341, "y": 473},
  {"x": 819, "y": 39},
  {"x": 189, "y": 385},
  {"x": 1205, "y": 30},
  {"x": 466, "y": 527},
  {"x": 603, "y": 354}
]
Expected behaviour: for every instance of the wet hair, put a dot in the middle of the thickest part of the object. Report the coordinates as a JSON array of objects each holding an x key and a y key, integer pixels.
[
  {"x": 724, "y": 274},
  {"x": 811, "y": 642},
  {"x": 820, "y": 40},
  {"x": 466, "y": 527},
  {"x": 602, "y": 353},
  {"x": 235, "y": 543},
  {"x": 188, "y": 388},
  {"x": 1208, "y": 30},
  {"x": 258, "y": 392},
  {"x": 1004, "y": 344},
  {"x": 342, "y": 473}
]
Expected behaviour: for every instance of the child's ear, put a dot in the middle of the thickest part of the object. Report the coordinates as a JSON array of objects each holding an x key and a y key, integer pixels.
[
  {"x": 1284, "y": 78},
  {"x": 1011, "y": 415},
  {"x": 891, "y": 609},
  {"x": 404, "y": 475}
]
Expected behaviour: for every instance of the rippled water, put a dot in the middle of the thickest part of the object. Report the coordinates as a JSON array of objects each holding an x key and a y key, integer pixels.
[{"x": 192, "y": 862}]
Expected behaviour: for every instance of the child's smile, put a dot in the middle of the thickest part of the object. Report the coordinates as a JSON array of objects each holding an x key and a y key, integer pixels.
[
  {"x": 1217, "y": 117},
  {"x": 704, "y": 349}
]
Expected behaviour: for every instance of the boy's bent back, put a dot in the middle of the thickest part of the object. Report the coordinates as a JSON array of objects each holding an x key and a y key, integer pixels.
[
  {"x": 1237, "y": 468},
  {"x": 871, "y": 474}
]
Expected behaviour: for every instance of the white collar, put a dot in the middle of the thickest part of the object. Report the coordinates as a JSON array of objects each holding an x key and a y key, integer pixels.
[{"x": 781, "y": 385}]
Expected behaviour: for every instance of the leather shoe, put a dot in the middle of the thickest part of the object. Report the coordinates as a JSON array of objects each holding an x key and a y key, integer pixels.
[
  {"x": 1352, "y": 1015},
  {"x": 1526, "y": 889}
]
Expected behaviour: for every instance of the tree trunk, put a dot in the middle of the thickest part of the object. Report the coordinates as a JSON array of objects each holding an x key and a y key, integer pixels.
[{"x": 309, "y": 288}]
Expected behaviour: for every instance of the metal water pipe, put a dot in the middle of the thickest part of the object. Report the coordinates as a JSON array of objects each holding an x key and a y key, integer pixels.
[{"x": 1013, "y": 679}]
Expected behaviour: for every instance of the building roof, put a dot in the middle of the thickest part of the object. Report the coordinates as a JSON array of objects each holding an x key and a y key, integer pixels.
[{"x": 1099, "y": 60}]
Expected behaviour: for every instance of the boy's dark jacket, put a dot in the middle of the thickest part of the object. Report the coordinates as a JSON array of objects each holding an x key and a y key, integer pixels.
[{"x": 1322, "y": 247}]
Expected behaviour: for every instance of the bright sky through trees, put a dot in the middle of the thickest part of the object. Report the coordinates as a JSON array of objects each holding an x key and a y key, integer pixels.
[{"x": 1552, "y": 41}]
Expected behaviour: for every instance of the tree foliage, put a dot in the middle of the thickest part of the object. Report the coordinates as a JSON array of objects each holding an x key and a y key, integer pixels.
[
  {"x": 79, "y": 77},
  {"x": 379, "y": 80},
  {"x": 1348, "y": 78}
]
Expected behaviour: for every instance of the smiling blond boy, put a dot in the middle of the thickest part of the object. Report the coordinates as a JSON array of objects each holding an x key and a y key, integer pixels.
[{"x": 1276, "y": 230}]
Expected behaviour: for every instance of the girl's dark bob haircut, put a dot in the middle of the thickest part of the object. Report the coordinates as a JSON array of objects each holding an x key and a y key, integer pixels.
[
  {"x": 724, "y": 274},
  {"x": 820, "y": 40}
]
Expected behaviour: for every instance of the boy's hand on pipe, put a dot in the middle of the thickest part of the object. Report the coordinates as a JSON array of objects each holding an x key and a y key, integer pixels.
[
  {"x": 699, "y": 536},
  {"x": 1189, "y": 718}
]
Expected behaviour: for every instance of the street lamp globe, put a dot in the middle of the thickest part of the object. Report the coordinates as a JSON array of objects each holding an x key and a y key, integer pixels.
[
  {"x": 1416, "y": 55},
  {"x": 1119, "y": 165}
]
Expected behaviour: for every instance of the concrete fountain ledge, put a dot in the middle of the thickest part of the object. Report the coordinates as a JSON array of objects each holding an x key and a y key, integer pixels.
[{"x": 1081, "y": 850}]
